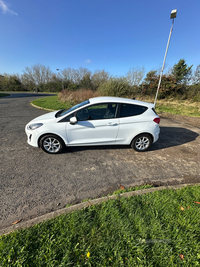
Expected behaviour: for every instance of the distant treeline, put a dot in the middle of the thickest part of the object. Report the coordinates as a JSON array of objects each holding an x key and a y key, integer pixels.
[{"x": 181, "y": 81}]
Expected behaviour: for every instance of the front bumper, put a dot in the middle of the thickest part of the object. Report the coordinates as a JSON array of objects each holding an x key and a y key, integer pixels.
[{"x": 32, "y": 137}]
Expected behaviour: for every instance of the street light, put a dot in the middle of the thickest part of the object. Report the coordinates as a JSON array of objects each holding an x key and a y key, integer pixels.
[
  {"x": 172, "y": 16},
  {"x": 62, "y": 79}
]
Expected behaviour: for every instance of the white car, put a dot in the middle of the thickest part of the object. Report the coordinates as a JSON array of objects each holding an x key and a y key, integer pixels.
[{"x": 97, "y": 121}]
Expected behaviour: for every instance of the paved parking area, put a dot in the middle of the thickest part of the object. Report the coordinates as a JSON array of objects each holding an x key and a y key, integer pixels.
[{"x": 33, "y": 182}]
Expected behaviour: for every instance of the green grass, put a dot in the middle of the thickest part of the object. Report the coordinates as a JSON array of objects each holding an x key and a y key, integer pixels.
[
  {"x": 51, "y": 102},
  {"x": 147, "y": 230},
  {"x": 119, "y": 191},
  {"x": 2, "y": 94},
  {"x": 179, "y": 109}
]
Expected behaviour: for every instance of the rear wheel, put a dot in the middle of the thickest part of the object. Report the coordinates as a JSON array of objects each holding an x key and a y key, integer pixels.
[
  {"x": 141, "y": 142},
  {"x": 52, "y": 144}
]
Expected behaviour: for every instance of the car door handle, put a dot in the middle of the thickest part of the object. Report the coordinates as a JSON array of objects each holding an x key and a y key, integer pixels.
[{"x": 111, "y": 124}]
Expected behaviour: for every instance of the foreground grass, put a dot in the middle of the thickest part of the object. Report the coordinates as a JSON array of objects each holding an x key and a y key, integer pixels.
[
  {"x": 157, "y": 229},
  {"x": 2, "y": 94},
  {"x": 122, "y": 190},
  {"x": 180, "y": 107}
]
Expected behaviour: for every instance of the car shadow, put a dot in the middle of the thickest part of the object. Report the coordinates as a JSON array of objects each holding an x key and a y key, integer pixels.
[
  {"x": 173, "y": 136},
  {"x": 169, "y": 137}
]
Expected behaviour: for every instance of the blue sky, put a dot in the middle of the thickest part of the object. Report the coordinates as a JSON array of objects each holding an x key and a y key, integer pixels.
[{"x": 114, "y": 35}]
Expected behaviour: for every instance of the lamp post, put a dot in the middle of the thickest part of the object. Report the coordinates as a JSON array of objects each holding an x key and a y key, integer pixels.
[
  {"x": 62, "y": 79},
  {"x": 172, "y": 16}
]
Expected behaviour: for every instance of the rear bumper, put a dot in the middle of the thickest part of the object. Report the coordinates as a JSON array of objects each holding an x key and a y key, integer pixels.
[{"x": 156, "y": 135}]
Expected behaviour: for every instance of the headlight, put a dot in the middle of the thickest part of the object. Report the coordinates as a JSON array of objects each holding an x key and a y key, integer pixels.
[{"x": 34, "y": 126}]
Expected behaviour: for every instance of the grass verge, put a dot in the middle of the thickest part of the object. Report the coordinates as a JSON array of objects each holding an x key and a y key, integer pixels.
[
  {"x": 179, "y": 108},
  {"x": 51, "y": 102},
  {"x": 156, "y": 229}
]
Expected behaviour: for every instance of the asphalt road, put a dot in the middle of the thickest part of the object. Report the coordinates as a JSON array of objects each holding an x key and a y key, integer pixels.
[{"x": 34, "y": 183}]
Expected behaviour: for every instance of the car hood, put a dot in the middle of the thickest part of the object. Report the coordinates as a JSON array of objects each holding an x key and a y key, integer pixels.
[{"x": 49, "y": 117}]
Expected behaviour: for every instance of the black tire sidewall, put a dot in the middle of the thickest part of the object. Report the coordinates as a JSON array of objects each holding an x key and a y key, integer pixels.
[
  {"x": 139, "y": 136},
  {"x": 52, "y": 136}
]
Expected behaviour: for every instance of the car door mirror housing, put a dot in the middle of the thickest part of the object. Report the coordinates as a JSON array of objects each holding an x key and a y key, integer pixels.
[{"x": 73, "y": 120}]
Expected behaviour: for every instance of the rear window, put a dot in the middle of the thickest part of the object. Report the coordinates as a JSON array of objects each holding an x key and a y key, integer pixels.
[{"x": 128, "y": 110}]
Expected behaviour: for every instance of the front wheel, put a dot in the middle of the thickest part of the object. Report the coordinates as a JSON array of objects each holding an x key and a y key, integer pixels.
[
  {"x": 52, "y": 144},
  {"x": 141, "y": 142}
]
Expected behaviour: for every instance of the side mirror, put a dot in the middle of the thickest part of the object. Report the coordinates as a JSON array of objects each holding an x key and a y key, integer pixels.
[{"x": 73, "y": 120}]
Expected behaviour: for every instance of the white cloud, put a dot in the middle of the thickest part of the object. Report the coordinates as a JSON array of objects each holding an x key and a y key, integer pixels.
[
  {"x": 89, "y": 61},
  {"x": 5, "y": 8}
]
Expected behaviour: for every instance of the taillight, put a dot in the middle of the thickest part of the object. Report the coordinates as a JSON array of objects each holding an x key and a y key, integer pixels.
[{"x": 157, "y": 120}]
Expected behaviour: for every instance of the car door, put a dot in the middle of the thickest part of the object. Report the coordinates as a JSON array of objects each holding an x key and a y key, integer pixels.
[{"x": 96, "y": 124}]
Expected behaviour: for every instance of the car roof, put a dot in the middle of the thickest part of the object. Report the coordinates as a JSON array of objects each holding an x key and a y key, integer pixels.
[{"x": 108, "y": 99}]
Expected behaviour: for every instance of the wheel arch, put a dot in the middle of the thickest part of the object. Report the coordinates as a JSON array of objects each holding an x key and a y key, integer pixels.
[
  {"x": 152, "y": 139},
  {"x": 38, "y": 142}
]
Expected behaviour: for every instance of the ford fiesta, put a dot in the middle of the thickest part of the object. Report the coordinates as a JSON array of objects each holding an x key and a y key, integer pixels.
[{"x": 97, "y": 121}]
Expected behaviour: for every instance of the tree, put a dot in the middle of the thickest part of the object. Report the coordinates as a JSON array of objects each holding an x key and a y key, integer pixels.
[
  {"x": 196, "y": 76},
  {"x": 86, "y": 82},
  {"x": 150, "y": 83},
  {"x": 3, "y": 82},
  {"x": 83, "y": 72},
  {"x": 11, "y": 82},
  {"x": 168, "y": 86},
  {"x": 15, "y": 83},
  {"x": 76, "y": 78},
  {"x": 70, "y": 75},
  {"x": 135, "y": 76},
  {"x": 38, "y": 75},
  {"x": 99, "y": 77},
  {"x": 182, "y": 72}
]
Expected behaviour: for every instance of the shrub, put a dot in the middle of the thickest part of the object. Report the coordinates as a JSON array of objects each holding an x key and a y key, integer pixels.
[
  {"x": 115, "y": 87},
  {"x": 77, "y": 96},
  {"x": 193, "y": 92}
]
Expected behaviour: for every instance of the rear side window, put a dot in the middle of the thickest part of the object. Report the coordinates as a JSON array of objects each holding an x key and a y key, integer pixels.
[{"x": 128, "y": 110}]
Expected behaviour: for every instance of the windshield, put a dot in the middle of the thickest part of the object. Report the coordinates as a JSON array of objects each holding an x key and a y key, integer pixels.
[{"x": 66, "y": 111}]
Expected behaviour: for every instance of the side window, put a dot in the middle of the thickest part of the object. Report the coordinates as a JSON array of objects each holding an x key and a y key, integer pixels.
[
  {"x": 82, "y": 115},
  {"x": 128, "y": 110},
  {"x": 97, "y": 112}
]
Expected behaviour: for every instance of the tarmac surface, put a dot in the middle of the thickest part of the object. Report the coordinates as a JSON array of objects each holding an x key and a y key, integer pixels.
[{"x": 33, "y": 183}]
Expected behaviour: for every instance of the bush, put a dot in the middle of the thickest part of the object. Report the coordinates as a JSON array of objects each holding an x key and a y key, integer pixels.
[
  {"x": 115, "y": 87},
  {"x": 77, "y": 96},
  {"x": 193, "y": 92}
]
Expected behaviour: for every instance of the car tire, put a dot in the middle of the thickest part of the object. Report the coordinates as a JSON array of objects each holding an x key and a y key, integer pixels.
[
  {"x": 141, "y": 142},
  {"x": 52, "y": 144}
]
